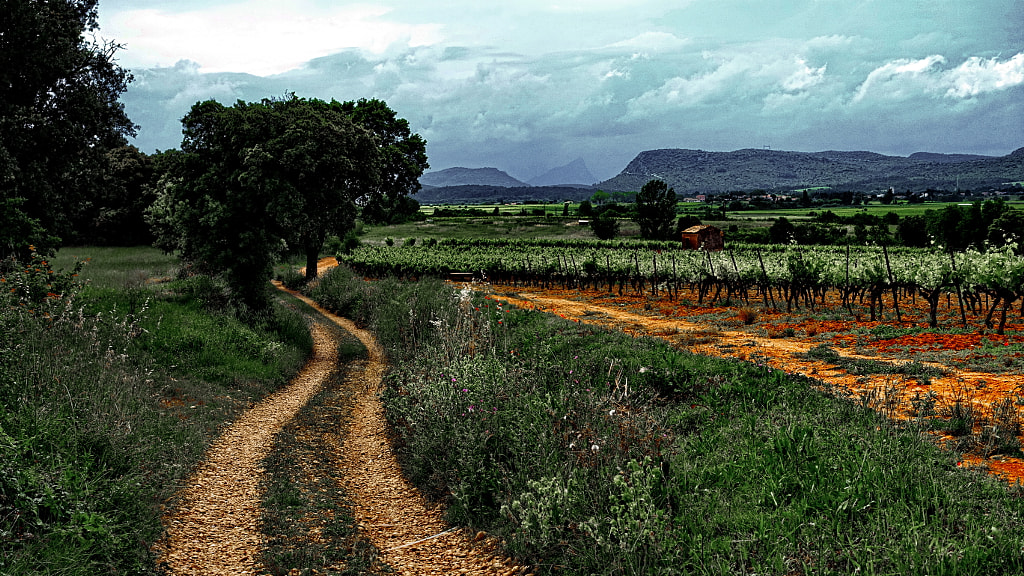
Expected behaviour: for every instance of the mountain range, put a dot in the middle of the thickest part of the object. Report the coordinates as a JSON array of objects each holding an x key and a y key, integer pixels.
[
  {"x": 470, "y": 177},
  {"x": 574, "y": 173},
  {"x": 692, "y": 172},
  {"x": 701, "y": 172}
]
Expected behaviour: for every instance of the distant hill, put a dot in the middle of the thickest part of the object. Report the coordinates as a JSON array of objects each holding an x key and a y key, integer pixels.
[
  {"x": 500, "y": 194},
  {"x": 946, "y": 158},
  {"x": 575, "y": 173},
  {"x": 699, "y": 172},
  {"x": 470, "y": 176}
]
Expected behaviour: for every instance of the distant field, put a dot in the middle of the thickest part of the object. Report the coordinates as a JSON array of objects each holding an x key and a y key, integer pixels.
[
  {"x": 488, "y": 227},
  {"x": 902, "y": 210},
  {"x": 550, "y": 224}
]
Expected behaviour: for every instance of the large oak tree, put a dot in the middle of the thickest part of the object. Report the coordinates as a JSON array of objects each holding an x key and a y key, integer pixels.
[
  {"x": 403, "y": 160},
  {"x": 256, "y": 180}
]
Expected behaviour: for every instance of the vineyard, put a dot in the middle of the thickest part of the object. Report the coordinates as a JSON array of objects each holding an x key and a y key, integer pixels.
[{"x": 980, "y": 285}]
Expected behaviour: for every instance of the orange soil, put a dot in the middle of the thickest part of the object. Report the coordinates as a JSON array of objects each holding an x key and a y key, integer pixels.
[{"x": 718, "y": 331}]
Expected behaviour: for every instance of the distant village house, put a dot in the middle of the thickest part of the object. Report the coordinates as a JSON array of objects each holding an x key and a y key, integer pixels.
[{"x": 703, "y": 237}]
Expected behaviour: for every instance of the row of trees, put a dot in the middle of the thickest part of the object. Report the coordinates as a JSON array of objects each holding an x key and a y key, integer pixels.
[
  {"x": 991, "y": 224},
  {"x": 955, "y": 228}
]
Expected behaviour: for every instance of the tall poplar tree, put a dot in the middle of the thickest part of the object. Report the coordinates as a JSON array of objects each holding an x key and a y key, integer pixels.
[{"x": 656, "y": 210}]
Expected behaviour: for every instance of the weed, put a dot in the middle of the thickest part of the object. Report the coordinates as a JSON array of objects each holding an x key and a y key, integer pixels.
[
  {"x": 1001, "y": 437},
  {"x": 923, "y": 406},
  {"x": 747, "y": 315},
  {"x": 960, "y": 414}
]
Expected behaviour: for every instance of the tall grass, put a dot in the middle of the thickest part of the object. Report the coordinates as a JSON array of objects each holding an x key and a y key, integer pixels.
[
  {"x": 108, "y": 400},
  {"x": 593, "y": 452}
]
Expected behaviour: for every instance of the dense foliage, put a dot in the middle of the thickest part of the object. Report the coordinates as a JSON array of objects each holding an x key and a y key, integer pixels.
[
  {"x": 59, "y": 117},
  {"x": 254, "y": 179},
  {"x": 656, "y": 210},
  {"x": 403, "y": 158}
]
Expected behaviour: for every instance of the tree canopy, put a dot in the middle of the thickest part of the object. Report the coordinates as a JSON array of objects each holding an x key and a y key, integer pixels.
[
  {"x": 59, "y": 116},
  {"x": 403, "y": 158},
  {"x": 656, "y": 210},
  {"x": 256, "y": 180}
]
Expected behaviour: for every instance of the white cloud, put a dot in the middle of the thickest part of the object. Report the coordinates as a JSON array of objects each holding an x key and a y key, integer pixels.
[
  {"x": 978, "y": 75},
  {"x": 652, "y": 42},
  {"x": 803, "y": 76},
  {"x": 899, "y": 79},
  {"x": 737, "y": 77},
  {"x": 261, "y": 38},
  {"x": 905, "y": 79}
]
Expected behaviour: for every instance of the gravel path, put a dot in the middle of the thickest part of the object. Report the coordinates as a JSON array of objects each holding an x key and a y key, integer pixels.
[{"x": 215, "y": 528}]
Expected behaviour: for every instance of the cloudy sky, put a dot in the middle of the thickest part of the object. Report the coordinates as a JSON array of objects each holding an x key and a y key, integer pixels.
[{"x": 529, "y": 85}]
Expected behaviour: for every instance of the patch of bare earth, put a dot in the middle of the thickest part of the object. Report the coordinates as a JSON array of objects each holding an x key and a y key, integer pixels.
[{"x": 214, "y": 528}]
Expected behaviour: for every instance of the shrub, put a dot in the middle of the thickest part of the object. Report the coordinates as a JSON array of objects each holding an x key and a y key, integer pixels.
[
  {"x": 605, "y": 227},
  {"x": 747, "y": 315}
]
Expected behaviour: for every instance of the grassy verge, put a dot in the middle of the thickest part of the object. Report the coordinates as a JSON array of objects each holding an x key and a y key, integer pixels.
[
  {"x": 108, "y": 400},
  {"x": 590, "y": 451}
]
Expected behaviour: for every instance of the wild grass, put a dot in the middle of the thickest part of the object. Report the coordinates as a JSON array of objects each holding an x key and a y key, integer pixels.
[
  {"x": 747, "y": 315},
  {"x": 859, "y": 366},
  {"x": 106, "y": 404},
  {"x": 590, "y": 451}
]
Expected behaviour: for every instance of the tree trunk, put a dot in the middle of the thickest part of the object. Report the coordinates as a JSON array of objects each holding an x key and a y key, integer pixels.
[{"x": 312, "y": 256}]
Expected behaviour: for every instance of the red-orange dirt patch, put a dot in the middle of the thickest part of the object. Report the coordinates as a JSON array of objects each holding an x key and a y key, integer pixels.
[{"x": 781, "y": 339}]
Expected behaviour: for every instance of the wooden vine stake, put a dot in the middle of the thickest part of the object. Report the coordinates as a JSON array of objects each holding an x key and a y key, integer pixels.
[
  {"x": 675, "y": 281},
  {"x": 895, "y": 297},
  {"x": 654, "y": 282},
  {"x": 767, "y": 288},
  {"x": 608, "y": 267},
  {"x": 959, "y": 292}
]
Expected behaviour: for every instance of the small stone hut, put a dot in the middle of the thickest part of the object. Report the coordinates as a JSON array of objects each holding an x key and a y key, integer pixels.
[{"x": 703, "y": 237}]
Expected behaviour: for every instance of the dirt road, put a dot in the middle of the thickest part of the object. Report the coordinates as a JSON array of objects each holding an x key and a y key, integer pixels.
[{"x": 215, "y": 528}]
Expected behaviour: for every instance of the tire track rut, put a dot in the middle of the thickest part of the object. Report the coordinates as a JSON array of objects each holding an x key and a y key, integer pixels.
[{"x": 215, "y": 527}]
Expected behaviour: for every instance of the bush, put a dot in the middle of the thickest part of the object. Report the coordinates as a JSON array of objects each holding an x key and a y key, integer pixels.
[{"x": 605, "y": 227}]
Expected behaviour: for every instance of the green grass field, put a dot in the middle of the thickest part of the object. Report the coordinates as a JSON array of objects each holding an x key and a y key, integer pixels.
[{"x": 876, "y": 209}]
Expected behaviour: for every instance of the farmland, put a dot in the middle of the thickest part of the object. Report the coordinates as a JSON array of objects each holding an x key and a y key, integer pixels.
[
  {"x": 531, "y": 416},
  {"x": 776, "y": 394}
]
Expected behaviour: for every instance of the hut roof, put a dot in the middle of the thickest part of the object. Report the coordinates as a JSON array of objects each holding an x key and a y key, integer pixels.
[{"x": 698, "y": 228}]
